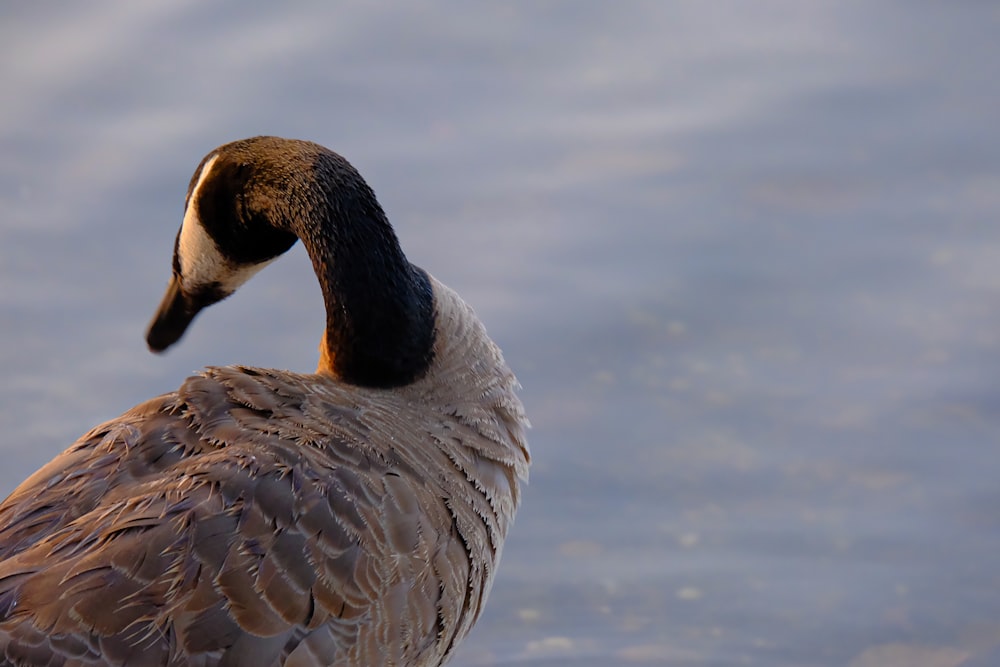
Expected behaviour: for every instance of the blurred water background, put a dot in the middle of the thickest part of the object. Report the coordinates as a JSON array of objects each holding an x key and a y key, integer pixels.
[{"x": 744, "y": 258}]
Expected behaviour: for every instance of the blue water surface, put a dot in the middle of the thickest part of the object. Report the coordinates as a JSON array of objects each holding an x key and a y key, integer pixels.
[{"x": 744, "y": 258}]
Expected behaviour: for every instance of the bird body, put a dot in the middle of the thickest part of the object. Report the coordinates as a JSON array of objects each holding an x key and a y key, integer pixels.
[{"x": 257, "y": 517}]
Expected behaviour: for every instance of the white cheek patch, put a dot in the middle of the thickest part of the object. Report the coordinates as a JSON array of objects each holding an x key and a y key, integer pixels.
[
  {"x": 201, "y": 262},
  {"x": 236, "y": 277},
  {"x": 200, "y": 259}
]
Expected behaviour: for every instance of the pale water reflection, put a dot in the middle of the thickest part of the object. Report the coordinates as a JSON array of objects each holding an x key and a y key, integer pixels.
[{"x": 743, "y": 256}]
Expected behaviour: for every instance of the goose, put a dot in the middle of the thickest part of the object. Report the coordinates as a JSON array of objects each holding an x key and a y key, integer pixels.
[{"x": 256, "y": 517}]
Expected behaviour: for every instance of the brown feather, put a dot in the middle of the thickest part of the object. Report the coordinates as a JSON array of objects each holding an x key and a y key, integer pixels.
[{"x": 271, "y": 515}]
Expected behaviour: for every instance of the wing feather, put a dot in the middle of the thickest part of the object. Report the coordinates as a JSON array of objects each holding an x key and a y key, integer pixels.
[{"x": 254, "y": 518}]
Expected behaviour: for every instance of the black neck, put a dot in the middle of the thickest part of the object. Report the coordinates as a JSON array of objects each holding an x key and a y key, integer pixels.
[{"x": 379, "y": 307}]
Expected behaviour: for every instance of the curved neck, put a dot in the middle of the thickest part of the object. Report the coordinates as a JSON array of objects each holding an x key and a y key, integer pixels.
[{"x": 379, "y": 307}]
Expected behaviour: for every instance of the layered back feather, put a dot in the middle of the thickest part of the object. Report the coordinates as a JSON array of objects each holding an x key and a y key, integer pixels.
[{"x": 261, "y": 518}]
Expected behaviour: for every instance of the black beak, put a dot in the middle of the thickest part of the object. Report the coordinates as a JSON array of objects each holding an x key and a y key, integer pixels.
[{"x": 172, "y": 318}]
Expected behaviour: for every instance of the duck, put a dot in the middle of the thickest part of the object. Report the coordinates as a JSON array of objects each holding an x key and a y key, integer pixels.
[{"x": 354, "y": 516}]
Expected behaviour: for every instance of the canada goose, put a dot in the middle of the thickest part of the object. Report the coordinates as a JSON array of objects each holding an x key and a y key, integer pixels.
[{"x": 260, "y": 517}]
